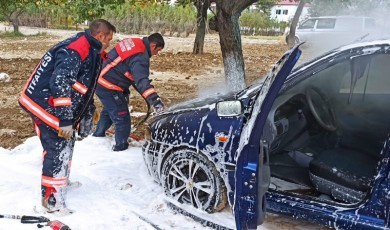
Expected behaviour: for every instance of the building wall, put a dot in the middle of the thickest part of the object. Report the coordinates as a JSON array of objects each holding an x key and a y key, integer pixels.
[{"x": 285, "y": 13}]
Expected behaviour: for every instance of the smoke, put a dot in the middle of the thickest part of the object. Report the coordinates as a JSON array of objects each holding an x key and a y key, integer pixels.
[
  {"x": 213, "y": 90},
  {"x": 380, "y": 14},
  {"x": 356, "y": 21}
]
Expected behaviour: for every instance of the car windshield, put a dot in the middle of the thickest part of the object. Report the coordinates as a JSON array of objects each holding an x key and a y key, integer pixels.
[
  {"x": 355, "y": 87},
  {"x": 254, "y": 88},
  {"x": 250, "y": 90}
]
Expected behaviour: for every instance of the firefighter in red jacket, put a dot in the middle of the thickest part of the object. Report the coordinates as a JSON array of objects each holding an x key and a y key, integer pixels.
[
  {"x": 59, "y": 98},
  {"x": 128, "y": 64}
]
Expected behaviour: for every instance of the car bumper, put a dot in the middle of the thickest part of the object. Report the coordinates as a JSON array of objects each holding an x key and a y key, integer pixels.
[
  {"x": 153, "y": 153},
  {"x": 150, "y": 155}
]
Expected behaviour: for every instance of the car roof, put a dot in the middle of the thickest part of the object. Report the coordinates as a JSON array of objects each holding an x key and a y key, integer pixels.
[
  {"x": 341, "y": 16},
  {"x": 379, "y": 42},
  {"x": 371, "y": 46}
]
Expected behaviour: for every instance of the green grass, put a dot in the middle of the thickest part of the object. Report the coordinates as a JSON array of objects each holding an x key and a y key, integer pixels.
[
  {"x": 19, "y": 34},
  {"x": 11, "y": 34},
  {"x": 70, "y": 27}
]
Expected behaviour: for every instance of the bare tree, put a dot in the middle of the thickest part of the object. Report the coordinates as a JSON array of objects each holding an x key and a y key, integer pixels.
[
  {"x": 227, "y": 22},
  {"x": 201, "y": 7}
]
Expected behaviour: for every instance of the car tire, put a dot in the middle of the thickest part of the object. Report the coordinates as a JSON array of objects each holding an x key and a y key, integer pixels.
[{"x": 179, "y": 185}]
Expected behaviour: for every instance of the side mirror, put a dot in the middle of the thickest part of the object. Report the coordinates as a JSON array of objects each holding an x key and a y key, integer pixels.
[{"x": 229, "y": 108}]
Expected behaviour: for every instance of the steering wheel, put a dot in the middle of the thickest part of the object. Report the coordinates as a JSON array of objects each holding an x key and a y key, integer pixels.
[{"x": 320, "y": 108}]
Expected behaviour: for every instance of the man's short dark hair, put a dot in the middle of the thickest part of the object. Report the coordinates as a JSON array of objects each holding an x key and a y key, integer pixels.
[
  {"x": 158, "y": 39},
  {"x": 101, "y": 25}
]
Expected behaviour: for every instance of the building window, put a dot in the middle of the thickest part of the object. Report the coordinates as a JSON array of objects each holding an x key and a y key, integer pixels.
[
  {"x": 285, "y": 12},
  {"x": 278, "y": 11}
]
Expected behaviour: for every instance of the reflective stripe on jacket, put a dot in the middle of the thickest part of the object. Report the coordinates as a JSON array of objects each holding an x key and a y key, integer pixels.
[
  {"x": 64, "y": 80},
  {"x": 128, "y": 64}
]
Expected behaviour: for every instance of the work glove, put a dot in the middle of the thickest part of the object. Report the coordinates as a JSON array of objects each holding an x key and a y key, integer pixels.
[
  {"x": 158, "y": 106},
  {"x": 96, "y": 117},
  {"x": 66, "y": 132}
]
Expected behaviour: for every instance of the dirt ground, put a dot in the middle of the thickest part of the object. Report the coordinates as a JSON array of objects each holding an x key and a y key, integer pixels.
[{"x": 177, "y": 74}]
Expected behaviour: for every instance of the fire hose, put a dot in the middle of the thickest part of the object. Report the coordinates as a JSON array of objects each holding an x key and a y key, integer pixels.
[{"x": 53, "y": 224}]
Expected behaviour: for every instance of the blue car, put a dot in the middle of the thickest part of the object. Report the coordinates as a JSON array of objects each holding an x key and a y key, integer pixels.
[{"x": 311, "y": 143}]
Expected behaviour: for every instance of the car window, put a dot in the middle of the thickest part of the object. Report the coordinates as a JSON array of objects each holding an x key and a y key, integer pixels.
[
  {"x": 326, "y": 23},
  {"x": 308, "y": 24},
  {"x": 374, "y": 79},
  {"x": 329, "y": 79}
]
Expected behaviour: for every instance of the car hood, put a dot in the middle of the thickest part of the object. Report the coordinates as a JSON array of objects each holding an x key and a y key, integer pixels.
[
  {"x": 202, "y": 102},
  {"x": 206, "y": 102}
]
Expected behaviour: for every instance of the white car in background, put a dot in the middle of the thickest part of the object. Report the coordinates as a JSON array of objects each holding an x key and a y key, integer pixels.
[{"x": 334, "y": 31}]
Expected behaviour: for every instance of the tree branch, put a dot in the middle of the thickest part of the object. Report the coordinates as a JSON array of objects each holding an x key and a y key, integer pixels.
[
  {"x": 241, "y": 5},
  {"x": 14, "y": 15}
]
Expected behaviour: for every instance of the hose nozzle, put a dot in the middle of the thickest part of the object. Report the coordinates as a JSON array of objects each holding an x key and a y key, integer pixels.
[{"x": 57, "y": 225}]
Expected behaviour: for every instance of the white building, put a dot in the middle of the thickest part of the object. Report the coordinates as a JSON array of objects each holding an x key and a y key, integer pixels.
[{"x": 284, "y": 10}]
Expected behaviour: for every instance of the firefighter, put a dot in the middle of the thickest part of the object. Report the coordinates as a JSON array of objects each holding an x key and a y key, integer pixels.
[
  {"x": 59, "y": 97},
  {"x": 128, "y": 64}
]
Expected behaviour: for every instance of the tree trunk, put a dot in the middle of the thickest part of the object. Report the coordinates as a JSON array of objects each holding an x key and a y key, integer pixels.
[
  {"x": 291, "y": 36},
  {"x": 201, "y": 6},
  {"x": 228, "y": 13},
  {"x": 15, "y": 24},
  {"x": 14, "y": 19},
  {"x": 66, "y": 21},
  {"x": 230, "y": 41}
]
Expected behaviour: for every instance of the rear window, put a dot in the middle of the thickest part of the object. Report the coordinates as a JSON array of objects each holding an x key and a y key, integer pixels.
[
  {"x": 308, "y": 24},
  {"x": 326, "y": 23}
]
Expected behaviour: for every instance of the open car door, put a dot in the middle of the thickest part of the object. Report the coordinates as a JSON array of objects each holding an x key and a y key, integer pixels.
[{"x": 252, "y": 166}]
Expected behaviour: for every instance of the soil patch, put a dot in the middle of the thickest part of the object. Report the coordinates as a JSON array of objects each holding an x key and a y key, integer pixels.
[{"x": 177, "y": 74}]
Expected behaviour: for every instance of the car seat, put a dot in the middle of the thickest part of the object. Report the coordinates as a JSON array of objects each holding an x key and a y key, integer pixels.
[{"x": 342, "y": 173}]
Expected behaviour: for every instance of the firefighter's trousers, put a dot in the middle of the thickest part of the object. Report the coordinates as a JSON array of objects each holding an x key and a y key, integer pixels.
[
  {"x": 57, "y": 158},
  {"x": 115, "y": 111}
]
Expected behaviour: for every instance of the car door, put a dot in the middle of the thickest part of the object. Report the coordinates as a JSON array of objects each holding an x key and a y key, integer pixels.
[{"x": 252, "y": 168}]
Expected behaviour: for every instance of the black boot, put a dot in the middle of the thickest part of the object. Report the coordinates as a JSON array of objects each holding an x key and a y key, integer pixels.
[
  {"x": 120, "y": 147},
  {"x": 98, "y": 135}
]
